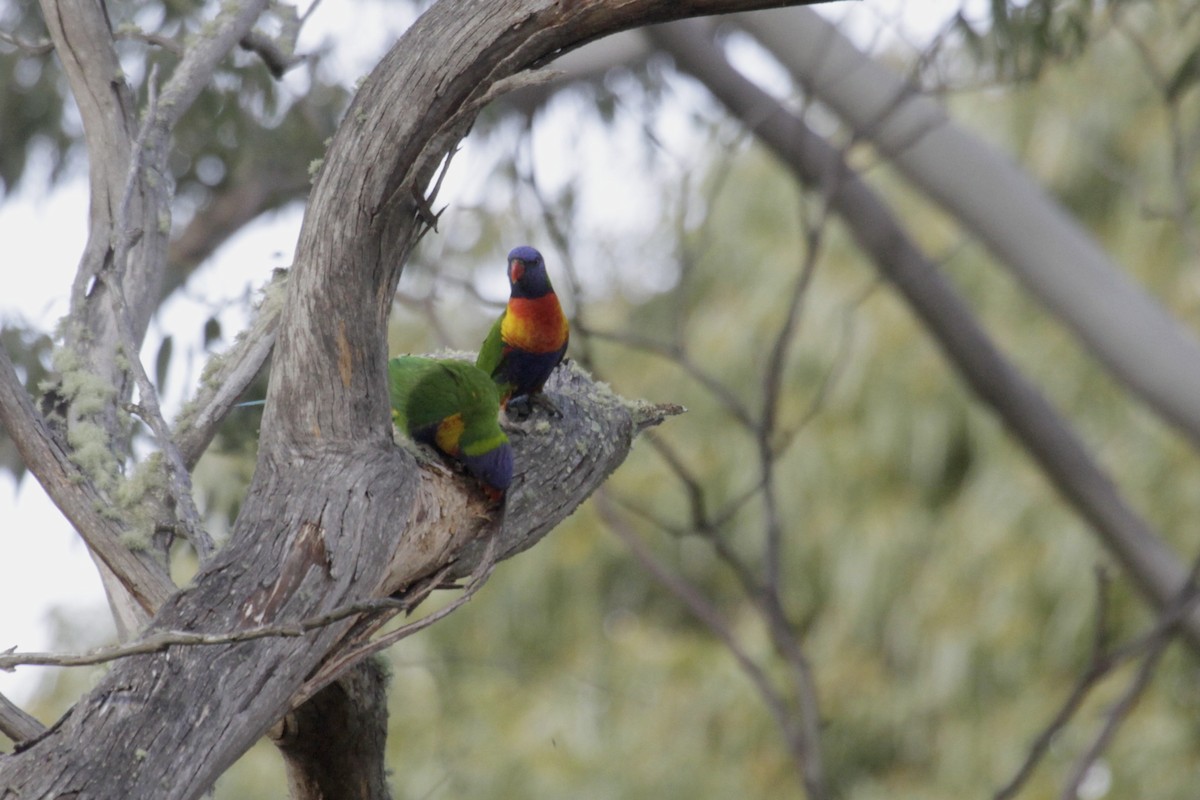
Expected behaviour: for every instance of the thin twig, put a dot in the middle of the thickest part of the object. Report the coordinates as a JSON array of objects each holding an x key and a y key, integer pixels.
[
  {"x": 582, "y": 347},
  {"x": 38, "y": 48},
  {"x": 772, "y": 387},
  {"x": 138, "y": 35},
  {"x": 1163, "y": 634},
  {"x": 1117, "y": 714},
  {"x": 157, "y": 642},
  {"x": 1100, "y": 664},
  {"x": 356, "y": 653},
  {"x": 308, "y": 11},
  {"x": 704, "y": 611},
  {"x": 678, "y": 355},
  {"x": 229, "y": 375}
]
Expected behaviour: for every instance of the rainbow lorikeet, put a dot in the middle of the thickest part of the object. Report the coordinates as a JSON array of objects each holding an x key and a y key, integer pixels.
[
  {"x": 529, "y": 339},
  {"x": 453, "y": 407}
]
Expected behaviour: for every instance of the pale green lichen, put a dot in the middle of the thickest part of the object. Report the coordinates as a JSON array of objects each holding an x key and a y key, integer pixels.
[
  {"x": 314, "y": 167},
  {"x": 91, "y": 452},
  {"x": 148, "y": 477},
  {"x": 135, "y": 540},
  {"x": 121, "y": 360},
  {"x": 134, "y": 496},
  {"x": 107, "y": 512},
  {"x": 87, "y": 392}
]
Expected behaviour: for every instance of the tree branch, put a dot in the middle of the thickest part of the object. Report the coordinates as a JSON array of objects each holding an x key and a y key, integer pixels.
[
  {"x": 1044, "y": 247},
  {"x": 16, "y": 724},
  {"x": 227, "y": 376},
  {"x": 179, "y": 481},
  {"x": 48, "y": 459}
]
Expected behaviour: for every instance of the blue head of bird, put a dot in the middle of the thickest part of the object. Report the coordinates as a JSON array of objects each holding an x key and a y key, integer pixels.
[
  {"x": 527, "y": 273},
  {"x": 493, "y": 469}
]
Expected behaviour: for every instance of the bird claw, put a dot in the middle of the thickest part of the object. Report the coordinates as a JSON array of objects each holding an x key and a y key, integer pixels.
[{"x": 521, "y": 406}]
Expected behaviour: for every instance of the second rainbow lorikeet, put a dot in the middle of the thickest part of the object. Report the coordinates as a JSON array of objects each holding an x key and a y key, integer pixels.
[
  {"x": 453, "y": 407},
  {"x": 529, "y": 339}
]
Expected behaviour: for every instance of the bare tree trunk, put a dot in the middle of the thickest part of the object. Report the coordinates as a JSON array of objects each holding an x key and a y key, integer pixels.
[{"x": 334, "y": 745}]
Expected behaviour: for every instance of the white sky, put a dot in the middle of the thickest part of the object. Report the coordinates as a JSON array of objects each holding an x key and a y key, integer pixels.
[{"x": 43, "y": 564}]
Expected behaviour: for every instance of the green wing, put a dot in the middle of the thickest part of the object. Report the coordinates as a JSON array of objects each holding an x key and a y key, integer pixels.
[
  {"x": 492, "y": 348},
  {"x": 424, "y": 391},
  {"x": 413, "y": 397}
]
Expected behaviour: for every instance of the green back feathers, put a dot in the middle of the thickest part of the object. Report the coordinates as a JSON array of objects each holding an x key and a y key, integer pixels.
[
  {"x": 492, "y": 349},
  {"x": 426, "y": 391}
]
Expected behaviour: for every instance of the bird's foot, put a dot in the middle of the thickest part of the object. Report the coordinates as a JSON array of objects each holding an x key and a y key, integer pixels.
[{"x": 521, "y": 406}]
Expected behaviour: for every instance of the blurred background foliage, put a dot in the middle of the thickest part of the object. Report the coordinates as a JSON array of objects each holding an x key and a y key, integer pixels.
[{"x": 945, "y": 595}]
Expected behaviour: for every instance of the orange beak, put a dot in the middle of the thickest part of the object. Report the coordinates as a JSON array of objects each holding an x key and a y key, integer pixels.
[{"x": 516, "y": 268}]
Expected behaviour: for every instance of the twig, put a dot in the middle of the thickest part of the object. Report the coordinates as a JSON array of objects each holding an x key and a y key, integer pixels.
[
  {"x": 136, "y": 34},
  {"x": 157, "y": 642},
  {"x": 700, "y": 607},
  {"x": 1116, "y": 715},
  {"x": 308, "y": 11},
  {"x": 1100, "y": 664},
  {"x": 1162, "y": 635},
  {"x": 356, "y": 653},
  {"x": 38, "y": 48},
  {"x": 736, "y": 408},
  {"x": 772, "y": 386},
  {"x": 582, "y": 345},
  {"x": 229, "y": 376},
  {"x": 275, "y": 58}
]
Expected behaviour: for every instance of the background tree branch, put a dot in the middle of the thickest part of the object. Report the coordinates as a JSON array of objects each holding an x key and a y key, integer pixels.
[
  {"x": 1046, "y": 435},
  {"x": 1059, "y": 262}
]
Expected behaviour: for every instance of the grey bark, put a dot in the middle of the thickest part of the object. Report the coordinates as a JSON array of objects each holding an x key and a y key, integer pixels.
[
  {"x": 336, "y": 513},
  {"x": 333, "y": 746}
]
